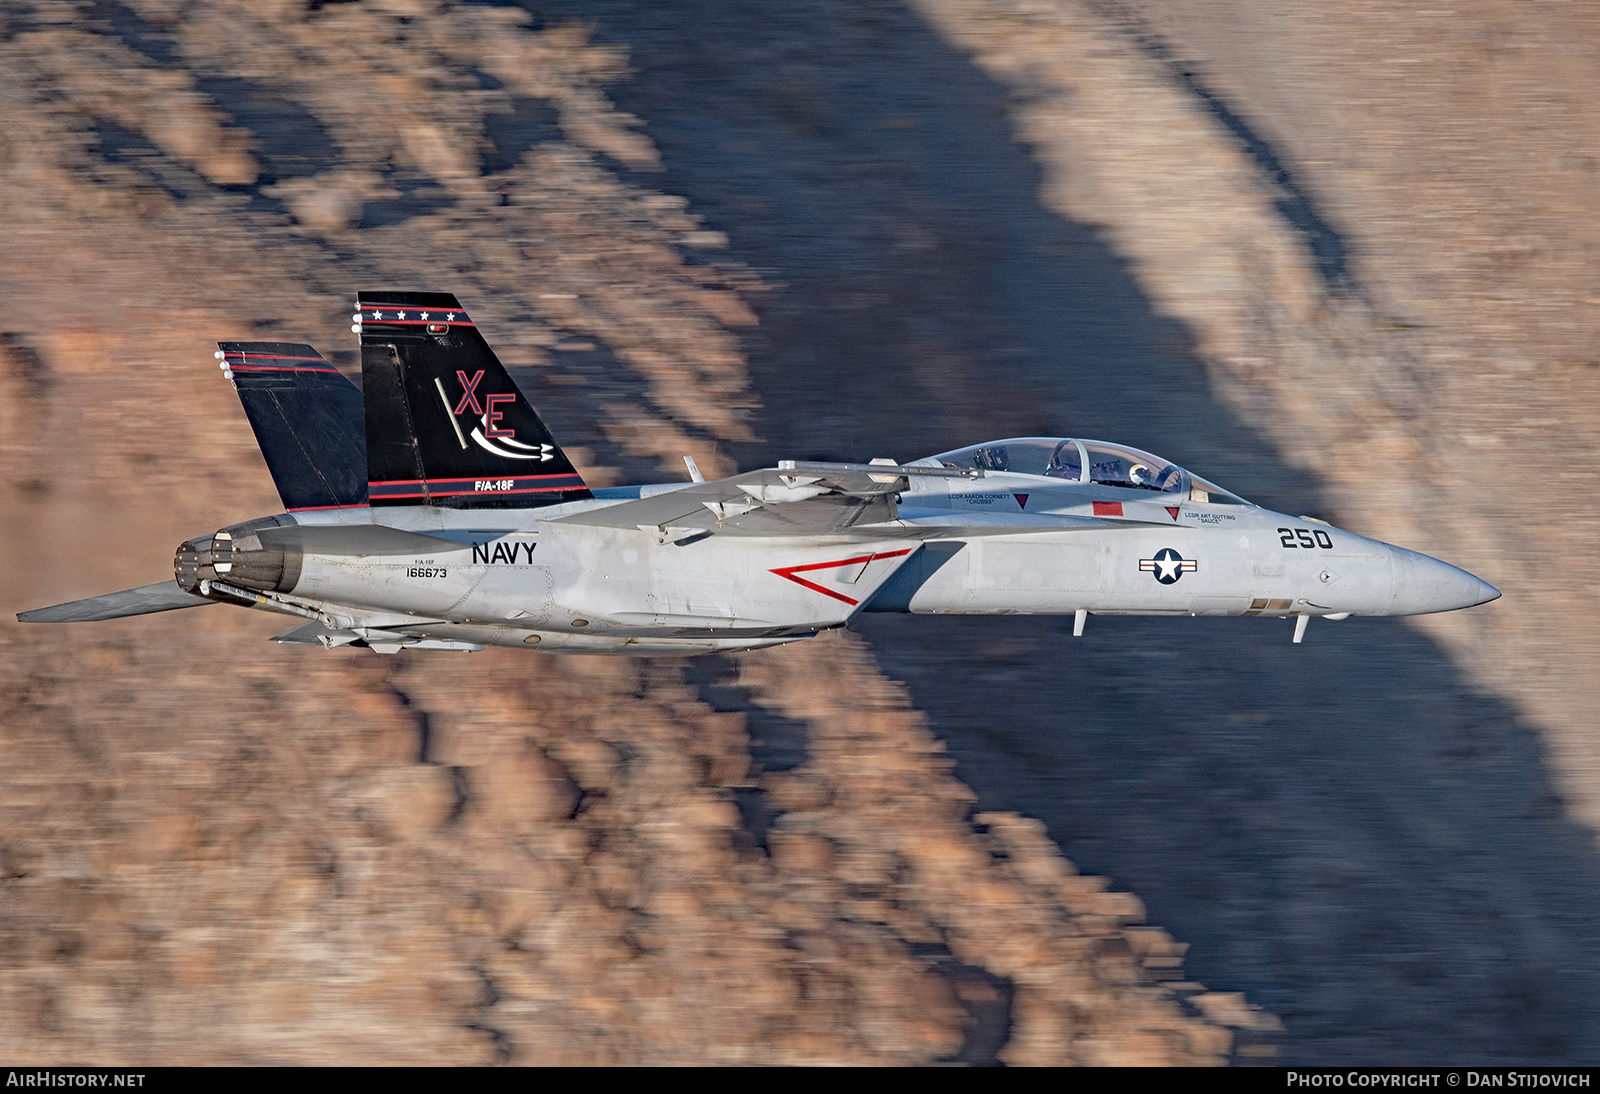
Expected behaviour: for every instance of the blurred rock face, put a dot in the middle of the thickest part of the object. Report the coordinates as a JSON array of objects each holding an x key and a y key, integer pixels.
[
  {"x": 467, "y": 863},
  {"x": 1380, "y": 226},
  {"x": 214, "y": 849},
  {"x": 1214, "y": 230}
]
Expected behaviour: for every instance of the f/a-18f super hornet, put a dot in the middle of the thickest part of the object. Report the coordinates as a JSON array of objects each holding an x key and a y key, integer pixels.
[{"x": 432, "y": 509}]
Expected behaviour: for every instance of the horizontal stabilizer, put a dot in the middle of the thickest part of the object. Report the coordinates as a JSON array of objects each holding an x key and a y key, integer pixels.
[
  {"x": 163, "y": 596},
  {"x": 315, "y": 634}
]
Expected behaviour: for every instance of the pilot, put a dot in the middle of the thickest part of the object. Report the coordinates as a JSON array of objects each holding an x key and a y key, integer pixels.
[{"x": 1141, "y": 475}]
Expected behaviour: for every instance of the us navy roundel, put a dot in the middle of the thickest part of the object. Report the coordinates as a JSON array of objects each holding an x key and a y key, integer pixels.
[{"x": 1168, "y": 565}]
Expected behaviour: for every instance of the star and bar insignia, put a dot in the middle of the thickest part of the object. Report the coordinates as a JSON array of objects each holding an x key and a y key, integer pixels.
[{"x": 1168, "y": 566}]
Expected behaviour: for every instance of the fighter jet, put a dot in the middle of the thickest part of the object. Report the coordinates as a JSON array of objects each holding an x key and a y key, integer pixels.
[{"x": 432, "y": 510}]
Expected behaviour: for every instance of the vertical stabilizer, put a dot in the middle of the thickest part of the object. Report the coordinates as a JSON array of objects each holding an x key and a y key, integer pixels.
[
  {"x": 445, "y": 423},
  {"x": 307, "y": 419}
]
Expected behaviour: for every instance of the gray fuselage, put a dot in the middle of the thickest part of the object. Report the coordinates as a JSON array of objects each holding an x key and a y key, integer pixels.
[{"x": 999, "y": 544}]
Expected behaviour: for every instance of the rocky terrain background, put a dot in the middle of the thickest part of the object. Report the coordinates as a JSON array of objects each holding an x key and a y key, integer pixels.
[{"x": 1341, "y": 259}]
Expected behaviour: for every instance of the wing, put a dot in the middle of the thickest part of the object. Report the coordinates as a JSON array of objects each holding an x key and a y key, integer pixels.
[
  {"x": 816, "y": 499},
  {"x": 163, "y": 596},
  {"x": 970, "y": 525},
  {"x": 788, "y": 500}
]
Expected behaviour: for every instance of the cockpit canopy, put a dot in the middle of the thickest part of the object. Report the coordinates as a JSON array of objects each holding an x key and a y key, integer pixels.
[{"x": 1085, "y": 462}]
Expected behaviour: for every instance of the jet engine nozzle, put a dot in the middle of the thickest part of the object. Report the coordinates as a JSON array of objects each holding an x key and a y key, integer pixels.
[
  {"x": 194, "y": 564},
  {"x": 236, "y": 556}
]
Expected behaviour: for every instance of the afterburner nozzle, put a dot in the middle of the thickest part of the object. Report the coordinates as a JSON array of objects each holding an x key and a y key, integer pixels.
[{"x": 237, "y": 556}]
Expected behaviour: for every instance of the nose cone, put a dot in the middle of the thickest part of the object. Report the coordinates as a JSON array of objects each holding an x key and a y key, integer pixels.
[{"x": 1423, "y": 584}]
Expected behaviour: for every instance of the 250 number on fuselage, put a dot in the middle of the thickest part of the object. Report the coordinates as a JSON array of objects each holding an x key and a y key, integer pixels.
[{"x": 1305, "y": 537}]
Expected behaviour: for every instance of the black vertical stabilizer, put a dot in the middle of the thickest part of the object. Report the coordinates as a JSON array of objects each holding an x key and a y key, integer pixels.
[
  {"x": 446, "y": 425},
  {"x": 307, "y": 419}
]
